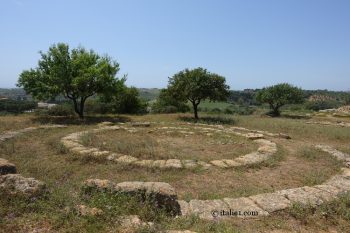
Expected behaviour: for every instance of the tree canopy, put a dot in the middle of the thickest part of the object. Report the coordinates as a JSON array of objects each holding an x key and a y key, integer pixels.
[
  {"x": 279, "y": 95},
  {"x": 76, "y": 74},
  {"x": 196, "y": 85}
]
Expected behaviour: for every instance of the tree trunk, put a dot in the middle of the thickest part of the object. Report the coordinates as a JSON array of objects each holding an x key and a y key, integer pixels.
[
  {"x": 79, "y": 107},
  {"x": 195, "y": 110},
  {"x": 275, "y": 110},
  {"x": 82, "y": 105}
]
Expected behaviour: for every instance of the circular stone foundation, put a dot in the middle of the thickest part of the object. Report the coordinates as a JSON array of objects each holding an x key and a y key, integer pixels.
[{"x": 74, "y": 142}]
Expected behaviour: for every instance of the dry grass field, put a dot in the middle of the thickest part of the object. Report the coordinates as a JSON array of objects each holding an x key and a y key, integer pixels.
[{"x": 41, "y": 155}]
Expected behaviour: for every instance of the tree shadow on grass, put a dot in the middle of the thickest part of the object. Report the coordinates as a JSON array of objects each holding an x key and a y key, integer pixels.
[
  {"x": 211, "y": 120},
  {"x": 73, "y": 120}
]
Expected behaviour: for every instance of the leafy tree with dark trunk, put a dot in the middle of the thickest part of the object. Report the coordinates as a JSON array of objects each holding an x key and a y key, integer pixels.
[
  {"x": 279, "y": 95},
  {"x": 76, "y": 74},
  {"x": 197, "y": 85}
]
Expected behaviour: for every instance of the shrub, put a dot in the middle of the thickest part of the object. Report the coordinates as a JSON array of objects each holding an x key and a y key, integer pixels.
[
  {"x": 16, "y": 106},
  {"x": 129, "y": 101},
  {"x": 165, "y": 103},
  {"x": 95, "y": 106},
  {"x": 321, "y": 105},
  {"x": 61, "y": 110}
]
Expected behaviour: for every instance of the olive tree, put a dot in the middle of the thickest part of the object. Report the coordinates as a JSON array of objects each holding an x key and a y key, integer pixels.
[
  {"x": 197, "y": 85},
  {"x": 76, "y": 74},
  {"x": 279, "y": 95}
]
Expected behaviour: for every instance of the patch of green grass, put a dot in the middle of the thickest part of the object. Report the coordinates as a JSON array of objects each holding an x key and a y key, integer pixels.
[{"x": 308, "y": 153}]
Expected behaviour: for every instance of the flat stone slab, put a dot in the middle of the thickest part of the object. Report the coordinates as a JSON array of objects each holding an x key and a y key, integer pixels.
[
  {"x": 126, "y": 159},
  {"x": 252, "y": 158},
  {"x": 245, "y": 207},
  {"x": 159, "y": 163},
  {"x": 219, "y": 163},
  {"x": 15, "y": 184},
  {"x": 6, "y": 167},
  {"x": 173, "y": 163},
  {"x": 254, "y": 136},
  {"x": 306, "y": 195},
  {"x": 207, "y": 209},
  {"x": 161, "y": 194},
  {"x": 338, "y": 154},
  {"x": 271, "y": 202},
  {"x": 232, "y": 163},
  {"x": 189, "y": 163},
  {"x": 340, "y": 182}
]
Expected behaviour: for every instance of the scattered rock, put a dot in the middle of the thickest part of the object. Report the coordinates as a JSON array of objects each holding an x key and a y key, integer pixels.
[
  {"x": 162, "y": 195},
  {"x": 84, "y": 210},
  {"x": 254, "y": 136},
  {"x": 132, "y": 222},
  {"x": 6, "y": 167},
  {"x": 92, "y": 185},
  {"x": 16, "y": 184}
]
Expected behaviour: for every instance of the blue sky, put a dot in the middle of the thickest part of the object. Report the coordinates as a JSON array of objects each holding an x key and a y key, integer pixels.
[{"x": 252, "y": 43}]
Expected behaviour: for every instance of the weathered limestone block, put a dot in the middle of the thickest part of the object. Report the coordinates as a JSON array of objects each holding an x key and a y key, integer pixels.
[
  {"x": 232, "y": 163},
  {"x": 306, "y": 195},
  {"x": 219, "y": 163},
  {"x": 15, "y": 184},
  {"x": 173, "y": 163},
  {"x": 184, "y": 207},
  {"x": 126, "y": 159},
  {"x": 340, "y": 182},
  {"x": 84, "y": 210},
  {"x": 204, "y": 164},
  {"x": 252, "y": 158},
  {"x": 133, "y": 222},
  {"x": 338, "y": 154},
  {"x": 205, "y": 208},
  {"x": 328, "y": 188},
  {"x": 93, "y": 185},
  {"x": 6, "y": 167},
  {"x": 189, "y": 163},
  {"x": 99, "y": 153},
  {"x": 271, "y": 202},
  {"x": 145, "y": 163},
  {"x": 159, "y": 163},
  {"x": 88, "y": 151},
  {"x": 78, "y": 149},
  {"x": 254, "y": 136},
  {"x": 246, "y": 207},
  {"x": 161, "y": 194}
]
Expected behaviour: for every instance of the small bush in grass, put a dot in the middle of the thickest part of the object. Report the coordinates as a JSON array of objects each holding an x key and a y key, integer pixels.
[
  {"x": 216, "y": 120},
  {"x": 61, "y": 110}
]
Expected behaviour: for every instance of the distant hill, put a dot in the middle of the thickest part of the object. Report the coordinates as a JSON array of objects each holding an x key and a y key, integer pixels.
[
  {"x": 149, "y": 94},
  {"x": 246, "y": 96},
  {"x": 14, "y": 93}
]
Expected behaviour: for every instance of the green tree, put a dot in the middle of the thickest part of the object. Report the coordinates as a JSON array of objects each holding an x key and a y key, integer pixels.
[
  {"x": 76, "y": 74},
  {"x": 279, "y": 95},
  {"x": 197, "y": 85},
  {"x": 166, "y": 103},
  {"x": 128, "y": 101}
]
